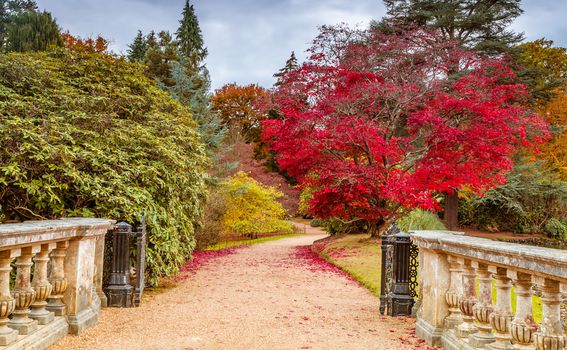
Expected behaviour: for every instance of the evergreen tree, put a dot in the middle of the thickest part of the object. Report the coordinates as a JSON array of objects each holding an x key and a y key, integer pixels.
[
  {"x": 290, "y": 65},
  {"x": 189, "y": 37},
  {"x": 9, "y": 9},
  {"x": 160, "y": 54},
  {"x": 192, "y": 90},
  {"x": 32, "y": 31},
  {"x": 478, "y": 24},
  {"x": 137, "y": 50}
]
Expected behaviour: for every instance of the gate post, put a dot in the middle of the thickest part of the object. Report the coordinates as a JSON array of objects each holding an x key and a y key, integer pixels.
[
  {"x": 400, "y": 302},
  {"x": 120, "y": 290}
]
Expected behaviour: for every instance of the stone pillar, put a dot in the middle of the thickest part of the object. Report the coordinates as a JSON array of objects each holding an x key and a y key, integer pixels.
[
  {"x": 24, "y": 293},
  {"x": 483, "y": 308},
  {"x": 468, "y": 300},
  {"x": 453, "y": 294},
  {"x": 434, "y": 279},
  {"x": 550, "y": 335},
  {"x": 41, "y": 286},
  {"x": 99, "y": 270},
  {"x": 58, "y": 280},
  {"x": 7, "y": 302},
  {"x": 79, "y": 271},
  {"x": 502, "y": 316},
  {"x": 523, "y": 326}
]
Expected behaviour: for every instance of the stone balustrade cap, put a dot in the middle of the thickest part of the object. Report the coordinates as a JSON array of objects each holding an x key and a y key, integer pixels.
[
  {"x": 541, "y": 261},
  {"x": 38, "y": 232}
]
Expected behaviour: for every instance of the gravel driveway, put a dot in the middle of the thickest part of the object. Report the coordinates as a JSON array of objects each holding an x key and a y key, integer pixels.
[{"x": 267, "y": 296}]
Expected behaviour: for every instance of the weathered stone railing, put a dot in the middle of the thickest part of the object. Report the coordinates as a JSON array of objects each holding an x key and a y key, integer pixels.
[
  {"x": 453, "y": 315},
  {"x": 64, "y": 295}
]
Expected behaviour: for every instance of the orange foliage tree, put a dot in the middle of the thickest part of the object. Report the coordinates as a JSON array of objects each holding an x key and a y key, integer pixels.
[
  {"x": 548, "y": 64},
  {"x": 238, "y": 108},
  {"x": 555, "y": 152},
  {"x": 75, "y": 43}
]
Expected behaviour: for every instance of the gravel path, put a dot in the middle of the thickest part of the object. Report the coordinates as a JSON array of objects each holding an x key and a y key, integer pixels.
[{"x": 267, "y": 296}]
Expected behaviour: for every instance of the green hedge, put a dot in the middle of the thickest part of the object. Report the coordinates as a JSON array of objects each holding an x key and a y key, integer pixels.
[{"x": 86, "y": 134}]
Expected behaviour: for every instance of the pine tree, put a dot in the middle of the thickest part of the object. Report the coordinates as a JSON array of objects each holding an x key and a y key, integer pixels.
[
  {"x": 192, "y": 90},
  {"x": 478, "y": 24},
  {"x": 189, "y": 36},
  {"x": 290, "y": 65},
  {"x": 32, "y": 31},
  {"x": 160, "y": 54},
  {"x": 137, "y": 50}
]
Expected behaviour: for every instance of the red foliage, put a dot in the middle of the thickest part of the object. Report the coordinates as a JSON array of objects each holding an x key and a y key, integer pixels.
[{"x": 388, "y": 121}]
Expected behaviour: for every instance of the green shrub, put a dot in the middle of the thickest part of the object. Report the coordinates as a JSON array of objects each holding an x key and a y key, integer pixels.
[
  {"x": 522, "y": 205},
  {"x": 420, "y": 220},
  {"x": 556, "y": 229},
  {"x": 212, "y": 227},
  {"x": 87, "y": 134},
  {"x": 315, "y": 222}
]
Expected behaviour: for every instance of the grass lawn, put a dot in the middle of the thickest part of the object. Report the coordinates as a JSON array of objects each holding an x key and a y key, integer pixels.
[
  {"x": 357, "y": 255},
  {"x": 360, "y": 257}
]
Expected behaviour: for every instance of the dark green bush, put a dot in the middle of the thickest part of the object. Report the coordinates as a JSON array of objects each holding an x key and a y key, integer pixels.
[
  {"x": 420, "y": 220},
  {"x": 87, "y": 134},
  {"x": 531, "y": 197},
  {"x": 212, "y": 227},
  {"x": 554, "y": 228}
]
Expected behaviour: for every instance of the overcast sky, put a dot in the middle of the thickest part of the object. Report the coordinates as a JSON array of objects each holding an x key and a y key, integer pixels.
[{"x": 249, "y": 40}]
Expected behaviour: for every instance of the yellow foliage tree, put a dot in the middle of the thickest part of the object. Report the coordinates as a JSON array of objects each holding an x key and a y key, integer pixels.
[{"x": 252, "y": 207}]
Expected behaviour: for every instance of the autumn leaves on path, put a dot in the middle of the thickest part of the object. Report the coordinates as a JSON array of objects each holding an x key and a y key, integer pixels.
[{"x": 276, "y": 295}]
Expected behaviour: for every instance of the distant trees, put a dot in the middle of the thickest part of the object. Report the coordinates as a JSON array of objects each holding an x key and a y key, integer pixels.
[
  {"x": 28, "y": 30},
  {"x": 177, "y": 63},
  {"x": 290, "y": 65},
  {"x": 482, "y": 25},
  {"x": 238, "y": 107}
]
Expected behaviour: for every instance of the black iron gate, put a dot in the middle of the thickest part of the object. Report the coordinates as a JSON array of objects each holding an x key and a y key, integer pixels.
[
  {"x": 399, "y": 283},
  {"x": 124, "y": 264}
]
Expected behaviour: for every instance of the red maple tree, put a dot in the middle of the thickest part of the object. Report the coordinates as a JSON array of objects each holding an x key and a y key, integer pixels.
[{"x": 375, "y": 123}]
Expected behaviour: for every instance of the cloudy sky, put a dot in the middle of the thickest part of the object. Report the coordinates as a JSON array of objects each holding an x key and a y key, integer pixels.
[{"x": 249, "y": 40}]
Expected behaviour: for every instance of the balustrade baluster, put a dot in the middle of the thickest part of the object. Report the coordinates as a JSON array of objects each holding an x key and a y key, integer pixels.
[
  {"x": 24, "y": 293},
  {"x": 453, "y": 294},
  {"x": 467, "y": 302},
  {"x": 58, "y": 280},
  {"x": 483, "y": 308},
  {"x": 550, "y": 335},
  {"x": 7, "y": 302},
  {"x": 523, "y": 326},
  {"x": 502, "y": 316},
  {"x": 42, "y": 287}
]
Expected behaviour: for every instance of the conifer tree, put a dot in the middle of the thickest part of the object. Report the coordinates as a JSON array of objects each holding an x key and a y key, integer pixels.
[
  {"x": 8, "y": 10},
  {"x": 137, "y": 50},
  {"x": 189, "y": 36},
  {"x": 290, "y": 65},
  {"x": 32, "y": 31},
  {"x": 478, "y": 24}
]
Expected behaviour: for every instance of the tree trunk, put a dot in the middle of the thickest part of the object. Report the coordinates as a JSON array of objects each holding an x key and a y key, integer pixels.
[{"x": 452, "y": 211}]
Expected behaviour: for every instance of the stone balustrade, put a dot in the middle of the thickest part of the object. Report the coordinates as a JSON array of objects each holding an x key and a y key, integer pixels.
[
  {"x": 456, "y": 276},
  {"x": 57, "y": 288}
]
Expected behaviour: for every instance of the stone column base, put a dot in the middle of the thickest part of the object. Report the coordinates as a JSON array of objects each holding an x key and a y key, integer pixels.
[
  {"x": 24, "y": 328},
  {"x": 85, "y": 319},
  {"x": 431, "y": 334},
  {"x": 44, "y": 337},
  {"x": 8, "y": 336}
]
